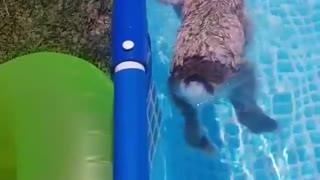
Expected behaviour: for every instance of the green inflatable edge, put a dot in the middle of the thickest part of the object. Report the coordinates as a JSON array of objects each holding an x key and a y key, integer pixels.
[{"x": 55, "y": 119}]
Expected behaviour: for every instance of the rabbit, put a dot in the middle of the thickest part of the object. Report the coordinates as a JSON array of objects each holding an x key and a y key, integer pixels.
[{"x": 208, "y": 60}]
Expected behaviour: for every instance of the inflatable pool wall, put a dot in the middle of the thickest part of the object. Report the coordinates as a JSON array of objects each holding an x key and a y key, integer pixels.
[{"x": 131, "y": 76}]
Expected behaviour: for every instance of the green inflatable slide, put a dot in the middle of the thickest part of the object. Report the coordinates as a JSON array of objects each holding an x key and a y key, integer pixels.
[{"x": 55, "y": 119}]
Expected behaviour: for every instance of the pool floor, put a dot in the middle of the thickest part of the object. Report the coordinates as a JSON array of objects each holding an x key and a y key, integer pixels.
[{"x": 286, "y": 49}]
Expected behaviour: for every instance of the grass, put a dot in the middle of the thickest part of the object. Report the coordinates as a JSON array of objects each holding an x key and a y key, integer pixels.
[{"x": 77, "y": 27}]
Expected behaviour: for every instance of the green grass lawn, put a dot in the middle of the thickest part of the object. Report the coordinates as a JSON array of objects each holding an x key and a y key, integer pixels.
[{"x": 77, "y": 27}]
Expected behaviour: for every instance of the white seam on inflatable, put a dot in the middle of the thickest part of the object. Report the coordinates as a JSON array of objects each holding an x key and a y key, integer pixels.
[{"x": 129, "y": 65}]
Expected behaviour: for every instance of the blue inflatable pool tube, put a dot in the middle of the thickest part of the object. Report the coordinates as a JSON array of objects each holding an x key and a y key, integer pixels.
[{"x": 131, "y": 75}]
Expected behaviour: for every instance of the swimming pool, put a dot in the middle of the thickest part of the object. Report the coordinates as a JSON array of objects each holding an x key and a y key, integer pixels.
[{"x": 286, "y": 49}]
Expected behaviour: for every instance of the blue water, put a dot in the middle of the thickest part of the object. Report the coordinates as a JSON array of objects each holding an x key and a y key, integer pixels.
[{"x": 286, "y": 49}]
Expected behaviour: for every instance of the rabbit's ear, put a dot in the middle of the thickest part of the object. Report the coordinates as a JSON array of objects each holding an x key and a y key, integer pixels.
[
  {"x": 172, "y": 2},
  {"x": 178, "y": 10}
]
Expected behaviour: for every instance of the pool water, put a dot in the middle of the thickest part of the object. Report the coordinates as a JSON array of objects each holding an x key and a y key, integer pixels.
[{"x": 286, "y": 49}]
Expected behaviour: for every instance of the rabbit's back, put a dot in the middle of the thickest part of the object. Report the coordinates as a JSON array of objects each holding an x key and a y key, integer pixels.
[{"x": 212, "y": 29}]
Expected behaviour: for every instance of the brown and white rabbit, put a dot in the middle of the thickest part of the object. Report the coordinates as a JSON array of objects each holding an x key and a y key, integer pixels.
[{"x": 208, "y": 58}]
